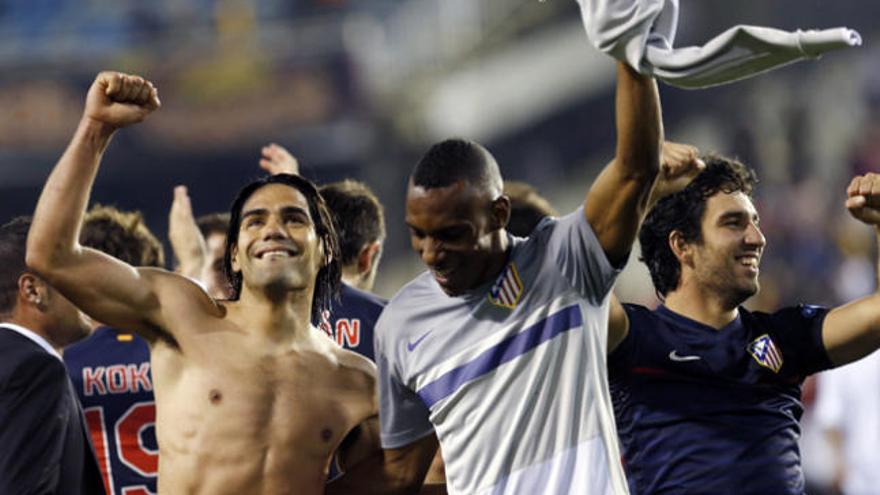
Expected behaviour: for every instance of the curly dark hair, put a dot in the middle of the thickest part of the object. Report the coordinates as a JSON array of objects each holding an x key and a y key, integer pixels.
[
  {"x": 683, "y": 211},
  {"x": 123, "y": 235},
  {"x": 328, "y": 279}
]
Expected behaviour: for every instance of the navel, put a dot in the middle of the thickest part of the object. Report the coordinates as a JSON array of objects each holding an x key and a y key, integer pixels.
[{"x": 215, "y": 396}]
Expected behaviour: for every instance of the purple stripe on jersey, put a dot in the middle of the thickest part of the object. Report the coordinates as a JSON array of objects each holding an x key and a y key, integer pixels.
[{"x": 506, "y": 350}]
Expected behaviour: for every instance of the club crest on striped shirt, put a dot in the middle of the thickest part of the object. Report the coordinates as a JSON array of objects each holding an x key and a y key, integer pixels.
[
  {"x": 765, "y": 352},
  {"x": 507, "y": 289}
]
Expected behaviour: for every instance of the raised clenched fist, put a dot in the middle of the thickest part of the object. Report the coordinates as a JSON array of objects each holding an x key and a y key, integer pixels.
[
  {"x": 117, "y": 100},
  {"x": 863, "y": 198},
  {"x": 680, "y": 163}
]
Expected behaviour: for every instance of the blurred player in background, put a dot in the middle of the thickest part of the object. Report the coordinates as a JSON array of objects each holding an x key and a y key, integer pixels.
[
  {"x": 848, "y": 412},
  {"x": 110, "y": 370}
]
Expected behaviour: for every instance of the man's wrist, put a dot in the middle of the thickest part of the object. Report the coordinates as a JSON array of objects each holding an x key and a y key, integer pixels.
[{"x": 95, "y": 132}]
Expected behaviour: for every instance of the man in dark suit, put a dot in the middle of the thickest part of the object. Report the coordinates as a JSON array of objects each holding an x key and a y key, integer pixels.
[{"x": 44, "y": 444}]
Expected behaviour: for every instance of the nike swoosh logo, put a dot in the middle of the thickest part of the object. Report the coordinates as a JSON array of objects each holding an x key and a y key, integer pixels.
[
  {"x": 673, "y": 355},
  {"x": 410, "y": 346}
]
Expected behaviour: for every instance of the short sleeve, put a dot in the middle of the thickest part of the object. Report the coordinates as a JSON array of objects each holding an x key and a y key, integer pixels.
[
  {"x": 574, "y": 247},
  {"x": 403, "y": 416},
  {"x": 799, "y": 330}
]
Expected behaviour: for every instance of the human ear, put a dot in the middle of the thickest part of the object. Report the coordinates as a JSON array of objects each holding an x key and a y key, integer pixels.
[
  {"x": 233, "y": 259},
  {"x": 680, "y": 247},
  {"x": 368, "y": 257},
  {"x": 500, "y": 212},
  {"x": 33, "y": 290}
]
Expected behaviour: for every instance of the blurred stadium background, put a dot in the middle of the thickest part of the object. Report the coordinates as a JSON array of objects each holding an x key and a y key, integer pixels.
[{"x": 361, "y": 89}]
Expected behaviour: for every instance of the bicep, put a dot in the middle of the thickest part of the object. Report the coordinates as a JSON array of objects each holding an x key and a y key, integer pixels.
[
  {"x": 360, "y": 443},
  {"x": 115, "y": 293},
  {"x": 852, "y": 331}
]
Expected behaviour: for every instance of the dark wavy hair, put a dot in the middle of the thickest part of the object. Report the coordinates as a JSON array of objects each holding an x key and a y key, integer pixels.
[
  {"x": 683, "y": 211},
  {"x": 328, "y": 279}
]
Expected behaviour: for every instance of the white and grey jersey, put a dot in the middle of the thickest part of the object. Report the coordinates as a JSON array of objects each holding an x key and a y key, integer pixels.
[{"x": 511, "y": 376}]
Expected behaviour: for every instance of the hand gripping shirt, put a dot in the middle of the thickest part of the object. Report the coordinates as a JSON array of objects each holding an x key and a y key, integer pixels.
[{"x": 512, "y": 375}]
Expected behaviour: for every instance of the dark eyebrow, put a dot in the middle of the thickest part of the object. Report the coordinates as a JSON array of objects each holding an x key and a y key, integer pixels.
[
  {"x": 738, "y": 215},
  {"x": 254, "y": 212},
  {"x": 287, "y": 210}
]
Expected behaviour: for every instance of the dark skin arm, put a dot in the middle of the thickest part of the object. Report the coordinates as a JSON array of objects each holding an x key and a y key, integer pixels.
[
  {"x": 391, "y": 471},
  {"x": 618, "y": 199},
  {"x": 680, "y": 164}
]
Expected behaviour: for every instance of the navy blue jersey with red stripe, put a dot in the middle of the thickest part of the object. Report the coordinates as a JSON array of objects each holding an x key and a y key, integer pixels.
[
  {"x": 351, "y": 320},
  {"x": 111, "y": 374},
  {"x": 707, "y": 411}
]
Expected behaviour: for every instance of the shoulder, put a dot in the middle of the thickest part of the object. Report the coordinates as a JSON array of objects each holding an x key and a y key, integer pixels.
[
  {"x": 799, "y": 314},
  {"x": 639, "y": 315},
  {"x": 356, "y": 363},
  {"x": 419, "y": 293},
  {"x": 349, "y": 292},
  {"x": 24, "y": 363},
  {"x": 359, "y": 371},
  {"x": 183, "y": 301}
]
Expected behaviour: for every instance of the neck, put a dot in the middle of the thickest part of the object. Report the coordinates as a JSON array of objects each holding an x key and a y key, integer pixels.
[
  {"x": 353, "y": 278},
  {"x": 33, "y": 324},
  {"x": 702, "y": 305},
  {"x": 498, "y": 259},
  {"x": 277, "y": 316}
]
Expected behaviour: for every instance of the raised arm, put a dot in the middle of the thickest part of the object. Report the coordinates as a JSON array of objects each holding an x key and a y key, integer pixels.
[
  {"x": 108, "y": 289},
  {"x": 852, "y": 331},
  {"x": 618, "y": 199},
  {"x": 680, "y": 163},
  {"x": 277, "y": 160},
  {"x": 186, "y": 239}
]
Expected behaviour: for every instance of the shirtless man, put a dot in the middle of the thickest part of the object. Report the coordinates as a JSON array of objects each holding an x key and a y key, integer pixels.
[{"x": 249, "y": 398}]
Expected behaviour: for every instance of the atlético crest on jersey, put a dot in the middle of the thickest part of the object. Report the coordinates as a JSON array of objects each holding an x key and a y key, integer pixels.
[
  {"x": 765, "y": 352},
  {"x": 507, "y": 289}
]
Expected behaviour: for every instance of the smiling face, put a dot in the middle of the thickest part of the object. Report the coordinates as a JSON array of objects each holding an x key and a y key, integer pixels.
[
  {"x": 726, "y": 258},
  {"x": 455, "y": 230},
  {"x": 277, "y": 249}
]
